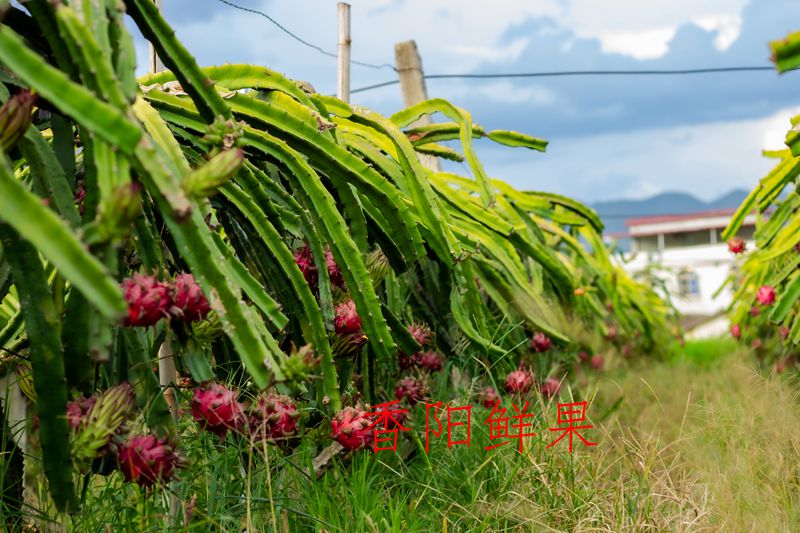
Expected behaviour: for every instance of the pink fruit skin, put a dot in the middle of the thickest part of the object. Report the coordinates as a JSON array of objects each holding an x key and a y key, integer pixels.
[
  {"x": 217, "y": 409},
  {"x": 77, "y": 410},
  {"x": 273, "y": 418},
  {"x": 488, "y": 397},
  {"x": 421, "y": 334},
  {"x": 411, "y": 389},
  {"x": 148, "y": 300},
  {"x": 596, "y": 362},
  {"x": 736, "y": 331},
  {"x": 351, "y": 427},
  {"x": 189, "y": 299},
  {"x": 305, "y": 261},
  {"x": 346, "y": 319},
  {"x": 765, "y": 295},
  {"x": 334, "y": 273},
  {"x": 550, "y": 387},
  {"x": 518, "y": 382},
  {"x": 541, "y": 342},
  {"x": 431, "y": 361},
  {"x": 146, "y": 459},
  {"x": 736, "y": 245}
]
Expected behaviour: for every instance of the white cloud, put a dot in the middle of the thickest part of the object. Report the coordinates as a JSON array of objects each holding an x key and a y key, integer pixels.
[
  {"x": 706, "y": 160},
  {"x": 509, "y": 52},
  {"x": 728, "y": 28}
]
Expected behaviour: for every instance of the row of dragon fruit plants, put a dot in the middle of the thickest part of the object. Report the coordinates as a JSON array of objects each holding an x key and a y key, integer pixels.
[
  {"x": 764, "y": 313},
  {"x": 276, "y": 239}
]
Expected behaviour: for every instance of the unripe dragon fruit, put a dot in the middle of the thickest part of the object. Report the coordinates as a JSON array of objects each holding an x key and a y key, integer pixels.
[
  {"x": 412, "y": 389},
  {"x": 189, "y": 302},
  {"x": 765, "y": 295},
  {"x": 299, "y": 366},
  {"x": 15, "y": 117},
  {"x": 431, "y": 361},
  {"x": 488, "y": 397},
  {"x": 147, "y": 460},
  {"x": 347, "y": 345},
  {"x": 273, "y": 418},
  {"x": 352, "y": 428},
  {"x": 736, "y": 245},
  {"x": 105, "y": 419},
  {"x": 421, "y": 333},
  {"x": 596, "y": 362},
  {"x": 217, "y": 409},
  {"x": 736, "y": 331},
  {"x": 148, "y": 300},
  {"x": 518, "y": 382},
  {"x": 540, "y": 342},
  {"x": 78, "y": 411},
  {"x": 550, "y": 387},
  {"x": 305, "y": 261},
  {"x": 346, "y": 319}
]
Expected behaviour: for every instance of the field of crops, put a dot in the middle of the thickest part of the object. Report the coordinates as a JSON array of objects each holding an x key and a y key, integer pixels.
[{"x": 230, "y": 303}]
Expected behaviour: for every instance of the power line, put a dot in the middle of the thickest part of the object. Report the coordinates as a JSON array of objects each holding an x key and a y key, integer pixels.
[
  {"x": 300, "y": 39},
  {"x": 565, "y": 73}
]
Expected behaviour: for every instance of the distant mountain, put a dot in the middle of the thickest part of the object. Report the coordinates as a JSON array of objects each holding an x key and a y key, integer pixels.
[{"x": 615, "y": 212}]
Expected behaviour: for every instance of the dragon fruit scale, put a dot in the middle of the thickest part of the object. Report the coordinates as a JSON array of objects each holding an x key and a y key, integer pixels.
[
  {"x": 352, "y": 428},
  {"x": 148, "y": 300},
  {"x": 189, "y": 302},
  {"x": 217, "y": 409},
  {"x": 273, "y": 418},
  {"x": 147, "y": 460}
]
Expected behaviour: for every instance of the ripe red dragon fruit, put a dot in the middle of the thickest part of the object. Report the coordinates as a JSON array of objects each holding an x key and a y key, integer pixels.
[
  {"x": 148, "y": 300},
  {"x": 583, "y": 356},
  {"x": 421, "y": 333},
  {"x": 736, "y": 245},
  {"x": 541, "y": 342},
  {"x": 550, "y": 387},
  {"x": 305, "y": 260},
  {"x": 346, "y": 319},
  {"x": 147, "y": 460},
  {"x": 217, "y": 409},
  {"x": 79, "y": 197},
  {"x": 519, "y": 382},
  {"x": 334, "y": 272},
  {"x": 431, "y": 361},
  {"x": 188, "y": 299},
  {"x": 736, "y": 331},
  {"x": 755, "y": 311},
  {"x": 488, "y": 397},
  {"x": 78, "y": 411},
  {"x": 766, "y": 295},
  {"x": 596, "y": 362},
  {"x": 273, "y": 418},
  {"x": 405, "y": 361},
  {"x": 352, "y": 428},
  {"x": 412, "y": 389}
]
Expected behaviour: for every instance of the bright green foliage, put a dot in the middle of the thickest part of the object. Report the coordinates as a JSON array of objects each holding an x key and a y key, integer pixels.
[{"x": 239, "y": 168}]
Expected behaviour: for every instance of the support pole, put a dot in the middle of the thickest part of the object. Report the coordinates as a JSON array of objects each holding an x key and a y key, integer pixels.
[
  {"x": 343, "y": 65},
  {"x": 412, "y": 84},
  {"x": 155, "y": 63}
]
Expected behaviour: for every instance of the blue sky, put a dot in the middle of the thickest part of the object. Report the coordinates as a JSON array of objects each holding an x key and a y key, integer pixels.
[{"x": 610, "y": 137}]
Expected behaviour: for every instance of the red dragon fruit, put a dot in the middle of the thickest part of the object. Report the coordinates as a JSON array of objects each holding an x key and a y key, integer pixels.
[
  {"x": 346, "y": 319},
  {"x": 755, "y": 311},
  {"x": 305, "y": 261},
  {"x": 412, "y": 389},
  {"x": 540, "y": 342},
  {"x": 736, "y": 245},
  {"x": 736, "y": 331},
  {"x": 431, "y": 361},
  {"x": 217, "y": 409},
  {"x": 765, "y": 295},
  {"x": 596, "y": 362},
  {"x": 273, "y": 418},
  {"x": 188, "y": 299},
  {"x": 78, "y": 411},
  {"x": 550, "y": 387},
  {"x": 405, "y": 361},
  {"x": 148, "y": 300},
  {"x": 334, "y": 272},
  {"x": 518, "y": 382},
  {"x": 757, "y": 344},
  {"x": 352, "y": 428},
  {"x": 488, "y": 397},
  {"x": 583, "y": 356},
  {"x": 146, "y": 460},
  {"x": 421, "y": 333}
]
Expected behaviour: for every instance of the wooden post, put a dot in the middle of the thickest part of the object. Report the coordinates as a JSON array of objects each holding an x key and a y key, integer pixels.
[
  {"x": 155, "y": 63},
  {"x": 343, "y": 65},
  {"x": 412, "y": 84}
]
